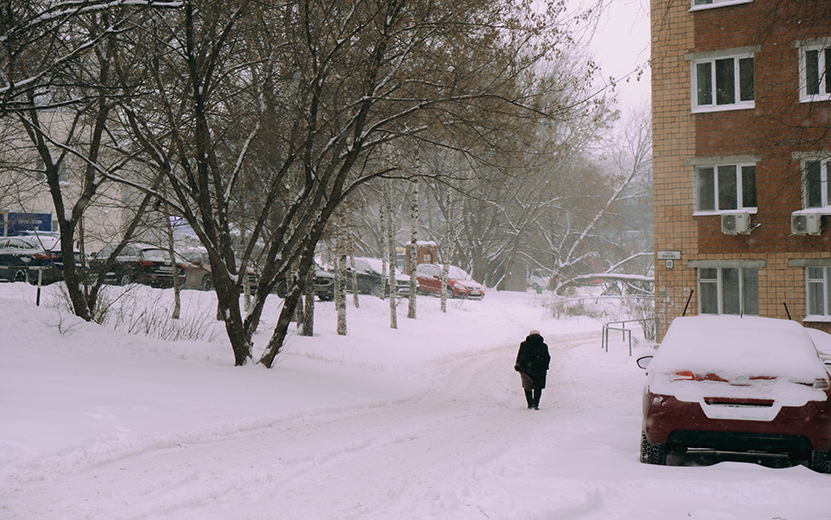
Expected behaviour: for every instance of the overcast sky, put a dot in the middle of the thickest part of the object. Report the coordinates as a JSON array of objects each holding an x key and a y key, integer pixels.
[{"x": 621, "y": 44}]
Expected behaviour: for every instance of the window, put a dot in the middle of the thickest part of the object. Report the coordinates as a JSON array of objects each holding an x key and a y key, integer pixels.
[
  {"x": 814, "y": 69},
  {"x": 728, "y": 290},
  {"x": 723, "y": 83},
  {"x": 725, "y": 187},
  {"x": 815, "y": 186},
  {"x": 708, "y": 4},
  {"x": 40, "y": 171},
  {"x": 816, "y": 291}
]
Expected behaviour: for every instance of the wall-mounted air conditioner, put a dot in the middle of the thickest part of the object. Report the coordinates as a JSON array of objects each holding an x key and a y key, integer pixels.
[
  {"x": 735, "y": 223},
  {"x": 805, "y": 223}
]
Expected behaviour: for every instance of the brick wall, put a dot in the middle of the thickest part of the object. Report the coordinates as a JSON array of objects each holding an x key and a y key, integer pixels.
[{"x": 777, "y": 127}]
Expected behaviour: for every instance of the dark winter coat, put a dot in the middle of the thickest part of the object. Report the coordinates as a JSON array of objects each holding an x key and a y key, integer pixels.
[{"x": 533, "y": 359}]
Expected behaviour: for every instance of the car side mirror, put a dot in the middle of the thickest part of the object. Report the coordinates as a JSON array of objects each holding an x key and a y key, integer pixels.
[{"x": 643, "y": 361}]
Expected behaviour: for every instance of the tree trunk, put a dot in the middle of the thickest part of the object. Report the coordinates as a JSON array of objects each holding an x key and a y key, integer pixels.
[
  {"x": 309, "y": 314},
  {"x": 382, "y": 210},
  {"x": 411, "y": 308},
  {"x": 177, "y": 302},
  {"x": 340, "y": 294},
  {"x": 355, "y": 291},
  {"x": 391, "y": 253},
  {"x": 275, "y": 344},
  {"x": 449, "y": 250}
]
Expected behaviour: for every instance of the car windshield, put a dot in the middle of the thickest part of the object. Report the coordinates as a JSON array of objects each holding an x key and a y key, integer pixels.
[{"x": 457, "y": 273}]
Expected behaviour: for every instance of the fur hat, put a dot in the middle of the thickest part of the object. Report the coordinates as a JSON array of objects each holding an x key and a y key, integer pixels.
[{"x": 534, "y": 332}]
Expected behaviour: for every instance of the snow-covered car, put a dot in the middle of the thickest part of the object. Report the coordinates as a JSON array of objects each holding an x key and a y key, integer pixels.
[
  {"x": 324, "y": 285},
  {"x": 368, "y": 271},
  {"x": 139, "y": 263},
  {"x": 25, "y": 258},
  {"x": 737, "y": 384},
  {"x": 459, "y": 283},
  {"x": 198, "y": 271}
]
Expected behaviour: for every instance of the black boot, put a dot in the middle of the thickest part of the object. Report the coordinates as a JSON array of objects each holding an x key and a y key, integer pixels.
[
  {"x": 530, "y": 398},
  {"x": 537, "y": 395}
]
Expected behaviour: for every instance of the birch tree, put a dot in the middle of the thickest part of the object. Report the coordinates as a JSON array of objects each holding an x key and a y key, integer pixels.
[
  {"x": 391, "y": 252},
  {"x": 411, "y": 307}
]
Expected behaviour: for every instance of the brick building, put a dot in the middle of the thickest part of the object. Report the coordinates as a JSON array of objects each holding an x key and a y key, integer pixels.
[{"x": 741, "y": 108}]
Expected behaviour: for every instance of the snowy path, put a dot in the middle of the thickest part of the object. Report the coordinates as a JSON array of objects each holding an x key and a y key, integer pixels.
[{"x": 389, "y": 460}]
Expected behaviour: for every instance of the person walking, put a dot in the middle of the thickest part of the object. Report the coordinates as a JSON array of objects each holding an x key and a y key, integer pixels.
[{"x": 532, "y": 364}]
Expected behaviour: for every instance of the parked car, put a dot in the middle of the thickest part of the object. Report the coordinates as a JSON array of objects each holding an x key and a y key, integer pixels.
[
  {"x": 21, "y": 257},
  {"x": 459, "y": 283},
  {"x": 139, "y": 263},
  {"x": 727, "y": 384},
  {"x": 324, "y": 285},
  {"x": 198, "y": 271},
  {"x": 370, "y": 278}
]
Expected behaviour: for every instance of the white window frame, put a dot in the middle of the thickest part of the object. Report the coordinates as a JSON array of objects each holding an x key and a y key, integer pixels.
[
  {"x": 825, "y": 196},
  {"x": 739, "y": 188},
  {"x": 719, "y": 283},
  {"x": 715, "y": 3},
  {"x": 822, "y": 46},
  {"x": 711, "y": 58},
  {"x": 823, "y": 284}
]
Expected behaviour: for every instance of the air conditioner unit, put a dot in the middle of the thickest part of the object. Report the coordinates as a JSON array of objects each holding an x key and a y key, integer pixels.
[
  {"x": 805, "y": 223},
  {"x": 735, "y": 223}
]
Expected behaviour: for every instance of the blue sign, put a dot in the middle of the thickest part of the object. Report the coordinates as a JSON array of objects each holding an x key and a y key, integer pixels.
[{"x": 17, "y": 223}]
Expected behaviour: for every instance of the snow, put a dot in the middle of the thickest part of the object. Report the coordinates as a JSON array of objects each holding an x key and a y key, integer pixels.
[{"x": 424, "y": 422}]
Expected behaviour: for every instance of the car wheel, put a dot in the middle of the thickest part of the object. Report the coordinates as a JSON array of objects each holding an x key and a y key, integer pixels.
[
  {"x": 652, "y": 453},
  {"x": 376, "y": 290},
  {"x": 207, "y": 283},
  {"x": 125, "y": 279},
  {"x": 821, "y": 461},
  {"x": 281, "y": 289},
  {"x": 20, "y": 274}
]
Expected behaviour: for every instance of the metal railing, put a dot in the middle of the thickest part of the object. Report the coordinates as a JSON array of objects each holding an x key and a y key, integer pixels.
[{"x": 620, "y": 326}]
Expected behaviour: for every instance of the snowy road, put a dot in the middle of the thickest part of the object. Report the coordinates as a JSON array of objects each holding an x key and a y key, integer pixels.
[{"x": 393, "y": 459}]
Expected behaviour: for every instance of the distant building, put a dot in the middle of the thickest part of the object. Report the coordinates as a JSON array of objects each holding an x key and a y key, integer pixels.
[{"x": 741, "y": 113}]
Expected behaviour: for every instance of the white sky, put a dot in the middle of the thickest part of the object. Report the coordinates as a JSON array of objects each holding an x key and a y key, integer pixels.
[{"x": 620, "y": 45}]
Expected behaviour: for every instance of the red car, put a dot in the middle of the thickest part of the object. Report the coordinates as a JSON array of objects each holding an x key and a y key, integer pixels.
[
  {"x": 459, "y": 283},
  {"x": 728, "y": 384}
]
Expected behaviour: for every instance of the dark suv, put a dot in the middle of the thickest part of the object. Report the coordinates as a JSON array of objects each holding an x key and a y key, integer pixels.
[
  {"x": 370, "y": 279},
  {"x": 139, "y": 263}
]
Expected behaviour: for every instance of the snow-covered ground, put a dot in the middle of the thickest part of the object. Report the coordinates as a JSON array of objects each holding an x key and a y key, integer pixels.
[{"x": 424, "y": 422}]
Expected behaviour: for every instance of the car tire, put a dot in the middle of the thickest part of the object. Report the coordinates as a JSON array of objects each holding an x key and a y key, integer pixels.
[
  {"x": 125, "y": 279},
  {"x": 376, "y": 290},
  {"x": 20, "y": 274},
  {"x": 281, "y": 289},
  {"x": 207, "y": 283},
  {"x": 652, "y": 453},
  {"x": 821, "y": 461}
]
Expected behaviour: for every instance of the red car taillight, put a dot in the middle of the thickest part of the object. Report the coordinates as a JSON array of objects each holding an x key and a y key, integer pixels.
[
  {"x": 45, "y": 256},
  {"x": 146, "y": 263}
]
